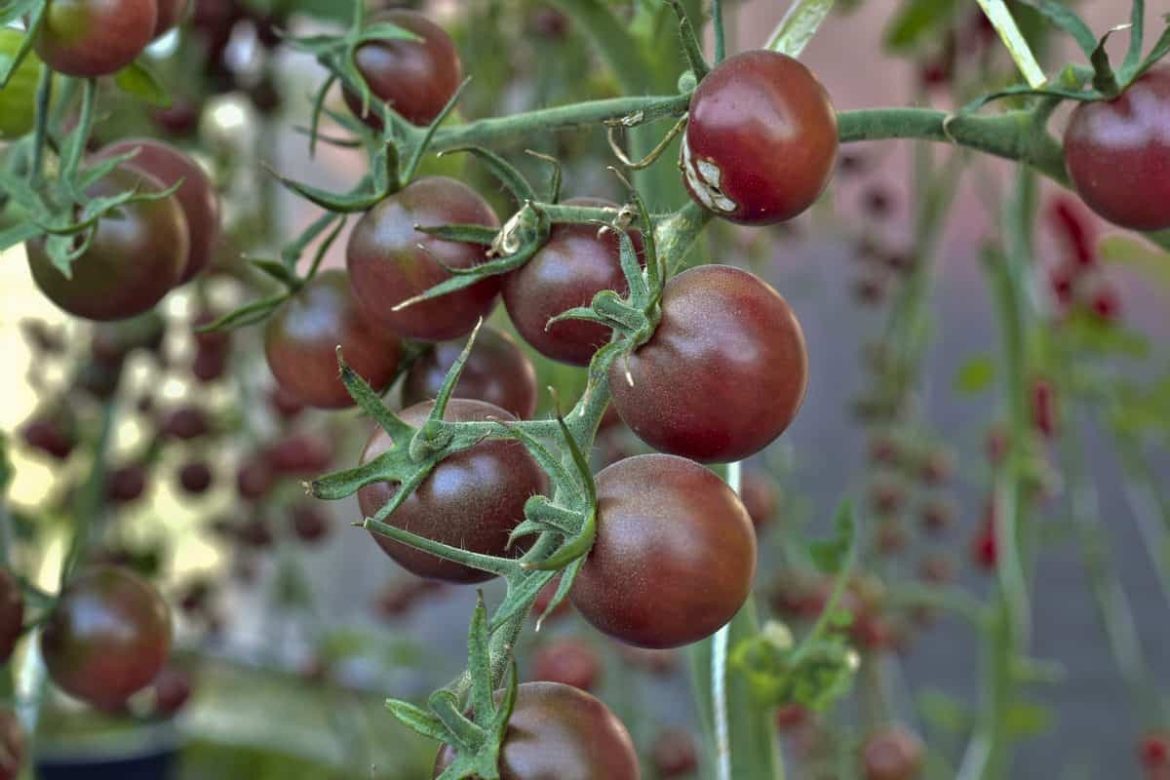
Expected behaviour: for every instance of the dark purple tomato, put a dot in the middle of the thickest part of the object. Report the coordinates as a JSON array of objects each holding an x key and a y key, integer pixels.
[
  {"x": 309, "y": 523},
  {"x": 471, "y": 500},
  {"x": 302, "y": 337},
  {"x": 390, "y": 262},
  {"x": 136, "y": 255},
  {"x": 415, "y": 78},
  {"x": 171, "y": 13},
  {"x": 724, "y": 373},
  {"x": 574, "y": 265},
  {"x": 196, "y": 477},
  {"x": 11, "y": 614},
  {"x": 49, "y": 436},
  {"x": 761, "y": 139},
  {"x": 87, "y": 38},
  {"x": 893, "y": 753},
  {"x": 1118, "y": 154},
  {"x": 186, "y": 423},
  {"x": 497, "y": 371},
  {"x": 172, "y": 690},
  {"x": 675, "y": 754},
  {"x": 126, "y": 484},
  {"x": 12, "y": 745},
  {"x": 558, "y": 731},
  {"x": 196, "y": 195},
  {"x": 567, "y": 661},
  {"x": 761, "y": 498},
  {"x": 299, "y": 454},
  {"x": 254, "y": 479},
  {"x": 674, "y": 556},
  {"x": 107, "y": 637}
]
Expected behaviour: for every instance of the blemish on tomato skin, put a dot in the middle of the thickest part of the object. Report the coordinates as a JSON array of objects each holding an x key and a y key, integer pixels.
[{"x": 703, "y": 178}]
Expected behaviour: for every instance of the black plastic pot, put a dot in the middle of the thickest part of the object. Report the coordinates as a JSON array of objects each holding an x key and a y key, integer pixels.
[{"x": 158, "y": 765}]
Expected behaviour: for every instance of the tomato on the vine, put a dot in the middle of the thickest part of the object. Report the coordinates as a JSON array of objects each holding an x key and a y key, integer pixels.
[
  {"x": 134, "y": 258},
  {"x": 722, "y": 376},
  {"x": 576, "y": 263},
  {"x": 302, "y": 337},
  {"x": 1118, "y": 154},
  {"x": 391, "y": 262},
  {"x": 674, "y": 556},
  {"x": 472, "y": 499},
  {"x": 170, "y": 14},
  {"x": 893, "y": 753},
  {"x": 497, "y": 371},
  {"x": 415, "y": 78},
  {"x": 761, "y": 139},
  {"x": 87, "y": 38},
  {"x": 107, "y": 637},
  {"x": 196, "y": 194},
  {"x": 558, "y": 731},
  {"x": 18, "y": 106},
  {"x": 11, "y": 614},
  {"x": 567, "y": 661}
]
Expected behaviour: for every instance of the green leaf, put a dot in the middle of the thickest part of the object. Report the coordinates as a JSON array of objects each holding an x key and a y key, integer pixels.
[
  {"x": 1137, "y": 30},
  {"x": 1027, "y": 720},
  {"x": 1151, "y": 262},
  {"x": 18, "y": 234},
  {"x": 976, "y": 375},
  {"x": 830, "y": 554},
  {"x": 944, "y": 712},
  {"x": 328, "y": 10},
  {"x": 417, "y": 719},
  {"x": 799, "y": 25},
  {"x": 918, "y": 21},
  {"x": 140, "y": 81},
  {"x": 11, "y": 13},
  {"x": 1066, "y": 19}
]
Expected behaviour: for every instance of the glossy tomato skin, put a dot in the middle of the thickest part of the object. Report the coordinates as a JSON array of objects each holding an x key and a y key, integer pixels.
[
  {"x": 472, "y": 499},
  {"x": 761, "y": 139},
  {"x": 12, "y": 745},
  {"x": 415, "y": 78},
  {"x": 18, "y": 111},
  {"x": 390, "y": 262},
  {"x": 1118, "y": 154},
  {"x": 575, "y": 264},
  {"x": 558, "y": 731},
  {"x": 674, "y": 556},
  {"x": 722, "y": 376},
  {"x": 171, "y": 13},
  {"x": 135, "y": 258},
  {"x": 302, "y": 336},
  {"x": 11, "y": 614},
  {"x": 86, "y": 38},
  {"x": 196, "y": 195},
  {"x": 497, "y": 371},
  {"x": 108, "y": 636}
]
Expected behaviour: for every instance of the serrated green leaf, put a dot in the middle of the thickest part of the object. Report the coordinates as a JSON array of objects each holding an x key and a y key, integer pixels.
[
  {"x": 830, "y": 554},
  {"x": 18, "y": 234},
  {"x": 417, "y": 719},
  {"x": 140, "y": 81},
  {"x": 1067, "y": 19},
  {"x": 976, "y": 375}
]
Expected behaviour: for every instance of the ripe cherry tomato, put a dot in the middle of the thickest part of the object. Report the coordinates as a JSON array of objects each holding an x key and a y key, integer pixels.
[
  {"x": 136, "y": 255},
  {"x": 107, "y": 637},
  {"x": 723, "y": 375},
  {"x": 674, "y": 556},
  {"x": 1118, "y": 154},
  {"x": 472, "y": 499},
  {"x": 567, "y": 661},
  {"x": 761, "y": 139},
  {"x": 302, "y": 337},
  {"x": 563, "y": 732},
  {"x": 12, "y": 745},
  {"x": 170, "y": 14},
  {"x": 389, "y": 261},
  {"x": 196, "y": 195},
  {"x": 497, "y": 371},
  {"x": 575, "y": 264},
  {"x": 18, "y": 108},
  {"x": 87, "y": 38},
  {"x": 415, "y": 78},
  {"x": 11, "y": 614},
  {"x": 894, "y": 753}
]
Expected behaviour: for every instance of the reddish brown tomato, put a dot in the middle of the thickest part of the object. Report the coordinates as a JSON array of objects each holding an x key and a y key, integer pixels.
[
  {"x": 557, "y": 731},
  {"x": 723, "y": 375},
  {"x": 568, "y": 661},
  {"x": 134, "y": 259},
  {"x": 761, "y": 139},
  {"x": 389, "y": 261},
  {"x": 108, "y": 636},
  {"x": 471, "y": 500},
  {"x": 11, "y": 614},
  {"x": 87, "y": 38},
  {"x": 170, "y": 14},
  {"x": 12, "y": 745},
  {"x": 894, "y": 753},
  {"x": 1118, "y": 154},
  {"x": 674, "y": 556},
  {"x": 302, "y": 337},
  {"x": 497, "y": 371},
  {"x": 196, "y": 195},
  {"x": 575, "y": 264},
  {"x": 415, "y": 78}
]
